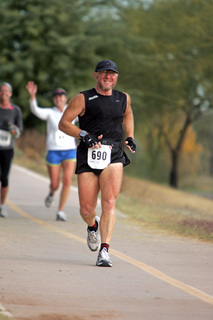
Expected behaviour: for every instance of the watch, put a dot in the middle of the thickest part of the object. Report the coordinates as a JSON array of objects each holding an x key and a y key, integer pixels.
[{"x": 83, "y": 134}]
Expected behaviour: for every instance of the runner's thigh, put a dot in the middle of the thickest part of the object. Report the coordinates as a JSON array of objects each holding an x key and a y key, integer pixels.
[
  {"x": 88, "y": 189},
  {"x": 110, "y": 180},
  {"x": 68, "y": 168}
]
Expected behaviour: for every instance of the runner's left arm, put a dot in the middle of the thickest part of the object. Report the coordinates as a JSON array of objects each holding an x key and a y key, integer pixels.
[
  {"x": 128, "y": 126},
  {"x": 17, "y": 127}
]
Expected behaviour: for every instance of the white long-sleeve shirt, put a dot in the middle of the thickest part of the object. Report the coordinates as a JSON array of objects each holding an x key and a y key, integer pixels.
[{"x": 56, "y": 139}]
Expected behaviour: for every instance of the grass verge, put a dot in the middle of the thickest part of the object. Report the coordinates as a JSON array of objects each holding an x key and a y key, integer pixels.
[
  {"x": 2, "y": 317},
  {"x": 158, "y": 207}
]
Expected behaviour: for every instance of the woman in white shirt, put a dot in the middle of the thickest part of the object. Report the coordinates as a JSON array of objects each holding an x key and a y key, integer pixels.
[{"x": 61, "y": 148}]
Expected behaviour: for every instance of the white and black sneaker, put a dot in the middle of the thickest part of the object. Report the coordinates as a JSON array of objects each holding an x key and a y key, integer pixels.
[
  {"x": 93, "y": 237},
  {"x": 3, "y": 211},
  {"x": 49, "y": 200},
  {"x": 103, "y": 259},
  {"x": 61, "y": 216}
]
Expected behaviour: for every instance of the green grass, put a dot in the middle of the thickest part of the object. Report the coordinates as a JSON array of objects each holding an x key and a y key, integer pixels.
[
  {"x": 4, "y": 317},
  {"x": 158, "y": 207}
]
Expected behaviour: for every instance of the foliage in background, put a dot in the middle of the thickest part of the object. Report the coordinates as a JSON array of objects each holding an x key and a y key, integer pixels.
[
  {"x": 177, "y": 70},
  {"x": 164, "y": 54}
]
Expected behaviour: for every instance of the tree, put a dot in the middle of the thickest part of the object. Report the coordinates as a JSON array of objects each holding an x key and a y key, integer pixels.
[
  {"x": 174, "y": 63},
  {"x": 53, "y": 44},
  {"x": 163, "y": 49},
  {"x": 45, "y": 42}
]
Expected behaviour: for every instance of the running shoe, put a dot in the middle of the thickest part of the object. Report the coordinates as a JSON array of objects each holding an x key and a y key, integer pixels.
[
  {"x": 3, "y": 211},
  {"x": 61, "y": 216},
  {"x": 93, "y": 237},
  {"x": 49, "y": 200},
  {"x": 103, "y": 259}
]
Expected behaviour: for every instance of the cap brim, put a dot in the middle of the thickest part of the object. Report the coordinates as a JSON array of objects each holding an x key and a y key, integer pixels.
[{"x": 111, "y": 69}]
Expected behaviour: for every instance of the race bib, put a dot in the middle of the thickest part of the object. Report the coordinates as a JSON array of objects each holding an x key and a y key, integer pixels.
[
  {"x": 62, "y": 139},
  {"x": 99, "y": 158},
  {"x": 5, "y": 138}
]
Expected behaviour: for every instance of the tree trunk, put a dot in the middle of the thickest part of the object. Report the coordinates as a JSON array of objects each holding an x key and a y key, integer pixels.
[
  {"x": 211, "y": 159},
  {"x": 174, "y": 169}
]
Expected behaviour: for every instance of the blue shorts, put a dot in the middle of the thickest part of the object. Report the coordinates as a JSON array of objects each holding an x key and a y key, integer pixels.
[{"x": 56, "y": 157}]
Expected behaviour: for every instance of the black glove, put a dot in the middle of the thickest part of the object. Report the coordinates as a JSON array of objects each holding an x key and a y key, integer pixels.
[
  {"x": 131, "y": 143},
  {"x": 90, "y": 140}
]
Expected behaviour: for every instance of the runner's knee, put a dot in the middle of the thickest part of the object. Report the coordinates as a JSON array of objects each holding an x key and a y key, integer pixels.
[
  {"x": 86, "y": 211},
  {"x": 66, "y": 181},
  {"x": 109, "y": 204},
  {"x": 54, "y": 186}
]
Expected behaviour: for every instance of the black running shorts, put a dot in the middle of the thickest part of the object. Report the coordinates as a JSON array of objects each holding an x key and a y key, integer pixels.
[{"x": 117, "y": 155}]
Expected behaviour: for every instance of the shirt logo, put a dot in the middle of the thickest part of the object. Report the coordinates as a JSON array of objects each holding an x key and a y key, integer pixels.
[
  {"x": 94, "y": 97},
  {"x": 117, "y": 100}
]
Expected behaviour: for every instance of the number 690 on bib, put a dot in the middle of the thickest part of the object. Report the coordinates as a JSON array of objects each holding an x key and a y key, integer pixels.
[{"x": 99, "y": 158}]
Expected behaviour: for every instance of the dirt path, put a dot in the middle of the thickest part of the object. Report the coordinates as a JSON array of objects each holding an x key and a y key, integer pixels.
[{"x": 48, "y": 273}]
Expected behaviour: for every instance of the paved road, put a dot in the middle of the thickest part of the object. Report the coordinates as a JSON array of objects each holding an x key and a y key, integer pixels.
[{"x": 47, "y": 272}]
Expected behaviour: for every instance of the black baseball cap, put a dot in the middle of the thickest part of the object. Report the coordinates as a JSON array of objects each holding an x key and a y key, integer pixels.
[
  {"x": 106, "y": 65},
  {"x": 59, "y": 92}
]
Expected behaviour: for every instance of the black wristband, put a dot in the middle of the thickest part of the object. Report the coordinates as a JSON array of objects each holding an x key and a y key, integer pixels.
[{"x": 131, "y": 143}]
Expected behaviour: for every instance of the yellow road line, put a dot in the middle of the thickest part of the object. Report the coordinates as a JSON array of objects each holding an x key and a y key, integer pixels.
[
  {"x": 154, "y": 272},
  {"x": 162, "y": 276},
  {"x": 43, "y": 223}
]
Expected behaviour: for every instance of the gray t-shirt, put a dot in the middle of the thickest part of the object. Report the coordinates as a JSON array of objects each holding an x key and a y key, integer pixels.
[{"x": 9, "y": 116}]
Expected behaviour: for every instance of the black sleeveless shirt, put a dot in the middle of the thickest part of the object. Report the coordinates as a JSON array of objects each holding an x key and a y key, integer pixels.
[{"x": 104, "y": 114}]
